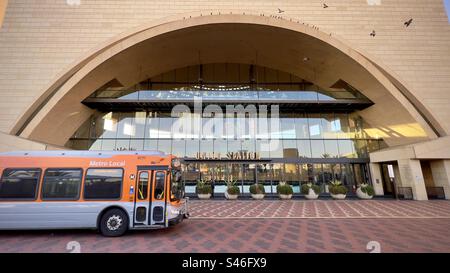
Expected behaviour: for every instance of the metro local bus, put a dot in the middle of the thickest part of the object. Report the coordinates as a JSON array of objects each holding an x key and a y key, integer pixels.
[{"x": 108, "y": 191}]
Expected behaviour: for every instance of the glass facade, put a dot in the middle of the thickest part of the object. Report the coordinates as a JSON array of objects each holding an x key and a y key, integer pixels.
[
  {"x": 304, "y": 135},
  {"x": 271, "y": 174},
  {"x": 317, "y": 137}
]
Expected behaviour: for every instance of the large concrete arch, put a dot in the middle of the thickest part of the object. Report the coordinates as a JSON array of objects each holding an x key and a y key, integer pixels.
[{"x": 209, "y": 37}]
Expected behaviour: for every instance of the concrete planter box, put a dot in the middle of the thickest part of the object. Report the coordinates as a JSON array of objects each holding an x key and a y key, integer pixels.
[
  {"x": 311, "y": 195},
  {"x": 231, "y": 196},
  {"x": 362, "y": 195},
  {"x": 285, "y": 196},
  {"x": 258, "y": 196},
  {"x": 204, "y": 196},
  {"x": 338, "y": 196}
]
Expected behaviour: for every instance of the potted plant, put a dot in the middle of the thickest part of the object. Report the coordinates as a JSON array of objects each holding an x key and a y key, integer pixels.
[
  {"x": 365, "y": 191},
  {"x": 337, "y": 190},
  {"x": 232, "y": 191},
  {"x": 284, "y": 190},
  {"x": 257, "y": 191},
  {"x": 203, "y": 189},
  {"x": 311, "y": 191}
]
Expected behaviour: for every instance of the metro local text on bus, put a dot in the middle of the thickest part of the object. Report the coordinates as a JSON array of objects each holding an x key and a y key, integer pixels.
[{"x": 95, "y": 163}]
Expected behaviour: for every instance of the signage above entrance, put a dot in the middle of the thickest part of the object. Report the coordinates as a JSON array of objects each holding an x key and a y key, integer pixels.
[{"x": 228, "y": 156}]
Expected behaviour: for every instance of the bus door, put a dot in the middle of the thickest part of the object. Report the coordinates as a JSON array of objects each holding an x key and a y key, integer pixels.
[
  {"x": 142, "y": 199},
  {"x": 158, "y": 201}
]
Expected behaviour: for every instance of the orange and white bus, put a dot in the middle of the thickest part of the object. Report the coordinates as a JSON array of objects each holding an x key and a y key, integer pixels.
[{"x": 108, "y": 191}]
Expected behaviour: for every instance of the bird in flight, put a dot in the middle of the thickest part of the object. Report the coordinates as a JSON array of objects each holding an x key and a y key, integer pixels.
[
  {"x": 280, "y": 10},
  {"x": 373, "y": 33},
  {"x": 407, "y": 23},
  {"x": 325, "y": 6}
]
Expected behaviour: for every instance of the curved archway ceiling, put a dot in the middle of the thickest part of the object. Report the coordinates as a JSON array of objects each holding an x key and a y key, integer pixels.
[{"x": 281, "y": 49}]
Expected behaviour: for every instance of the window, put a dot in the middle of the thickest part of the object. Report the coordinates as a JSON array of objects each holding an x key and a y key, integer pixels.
[
  {"x": 61, "y": 184},
  {"x": 19, "y": 183},
  {"x": 288, "y": 128},
  {"x": 317, "y": 149},
  {"x": 103, "y": 184},
  {"x": 143, "y": 186},
  {"x": 159, "y": 185},
  {"x": 176, "y": 186}
]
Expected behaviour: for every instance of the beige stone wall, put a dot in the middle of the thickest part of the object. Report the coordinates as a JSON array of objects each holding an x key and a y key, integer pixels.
[
  {"x": 39, "y": 39},
  {"x": 3, "y": 4},
  {"x": 10, "y": 143}
]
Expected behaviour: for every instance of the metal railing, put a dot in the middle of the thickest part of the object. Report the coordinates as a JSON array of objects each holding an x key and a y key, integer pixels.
[
  {"x": 435, "y": 192},
  {"x": 405, "y": 193}
]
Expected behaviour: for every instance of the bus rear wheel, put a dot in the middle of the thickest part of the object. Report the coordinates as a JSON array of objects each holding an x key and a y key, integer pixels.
[{"x": 114, "y": 223}]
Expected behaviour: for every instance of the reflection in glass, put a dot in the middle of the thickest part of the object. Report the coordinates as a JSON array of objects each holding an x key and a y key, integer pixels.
[
  {"x": 292, "y": 176},
  {"x": 263, "y": 148},
  {"x": 192, "y": 147},
  {"x": 288, "y": 128},
  {"x": 346, "y": 149},
  {"x": 150, "y": 145},
  {"x": 315, "y": 126},
  {"x": 165, "y": 146},
  {"x": 290, "y": 149},
  {"x": 220, "y": 148},
  {"x": 178, "y": 147},
  {"x": 152, "y": 127},
  {"x": 248, "y": 176},
  {"x": 317, "y": 148},
  {"x": 264, "y": 176},
  {"x": 331, "y": 149},
  {"x": 126, "y": 128},
  {"x": 347, "y": 177}
]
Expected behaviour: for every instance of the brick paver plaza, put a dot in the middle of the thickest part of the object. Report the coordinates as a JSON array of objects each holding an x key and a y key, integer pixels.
[{"x": 269, "y": 226}]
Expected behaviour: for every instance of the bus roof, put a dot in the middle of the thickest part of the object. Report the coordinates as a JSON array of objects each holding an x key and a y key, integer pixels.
[{"x": 71, "y": 153}]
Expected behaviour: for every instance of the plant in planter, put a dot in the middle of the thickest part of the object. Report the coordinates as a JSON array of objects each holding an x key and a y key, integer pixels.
[
  {"x": 284, "y": 190},
  {"x": 365, "y": 191},
  {"x": 311, "y": 191},
  {"x": 232, "y": 191},
  {"x": 203, "y": 189},
  {"x": 337, "y": 190},
  {"x": 257, "y": 191}
]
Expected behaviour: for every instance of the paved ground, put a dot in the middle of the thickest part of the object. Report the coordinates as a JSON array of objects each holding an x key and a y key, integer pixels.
[
  {"x": 348, "y": 226},
  {"x": 319, "y": 209}
]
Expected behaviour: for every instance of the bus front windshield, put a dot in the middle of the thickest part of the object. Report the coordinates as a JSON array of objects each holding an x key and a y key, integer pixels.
[{"x": 176, "y": 186}]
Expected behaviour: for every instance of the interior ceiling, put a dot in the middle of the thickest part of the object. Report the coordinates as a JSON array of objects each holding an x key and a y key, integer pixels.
[{"x": 281, "y": 49}]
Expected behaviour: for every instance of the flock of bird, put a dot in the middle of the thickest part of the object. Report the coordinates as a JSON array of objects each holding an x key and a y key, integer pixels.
[
  {"x": 325, "y": 6},
  {"x": 373, "y": 33}
]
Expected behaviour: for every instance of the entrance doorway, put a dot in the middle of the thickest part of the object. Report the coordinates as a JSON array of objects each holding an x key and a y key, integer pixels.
[
  {"x": 269, "y": 174},
  {"x": 388, "y": 179}
]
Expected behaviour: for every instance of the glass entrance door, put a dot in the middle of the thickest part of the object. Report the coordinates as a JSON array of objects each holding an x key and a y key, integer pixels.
[
  {"x": 235, "y": 174},
  {"x": 249, "y": 176},
  {"x": 264, "y": 176},
  {"x": 219, "y": 179}
]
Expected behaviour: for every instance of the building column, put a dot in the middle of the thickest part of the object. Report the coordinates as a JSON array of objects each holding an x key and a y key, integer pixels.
[
  {"x": 411, "y": 176},
  {"x": 377, "y": 179},
  {"x": 440, "y": 170}
]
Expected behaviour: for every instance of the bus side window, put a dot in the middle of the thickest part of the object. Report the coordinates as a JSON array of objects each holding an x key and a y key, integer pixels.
[
  {"x": 19, "y": 183},
  {"x": 143, "y": 186},
  {"x": 61, "y": 184},
  {"x": 103, "y": 184},
  {"x": 159, "y": 185}
]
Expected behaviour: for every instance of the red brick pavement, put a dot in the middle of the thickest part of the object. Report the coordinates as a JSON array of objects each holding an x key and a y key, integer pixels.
[
  {"x": 319, "y": 209},
  {"x": 227, "y": 226},
  {"x": 250, "y": 235}
]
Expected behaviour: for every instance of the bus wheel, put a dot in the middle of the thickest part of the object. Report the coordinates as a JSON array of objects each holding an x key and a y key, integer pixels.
[{"x": 114, "y": 223}]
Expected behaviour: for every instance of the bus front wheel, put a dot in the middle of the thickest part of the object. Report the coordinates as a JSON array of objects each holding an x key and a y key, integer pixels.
[{"x": 114, "y": 223}]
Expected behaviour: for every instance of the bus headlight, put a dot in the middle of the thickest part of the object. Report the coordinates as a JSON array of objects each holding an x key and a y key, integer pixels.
[{"x": 175, "y": 211}]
